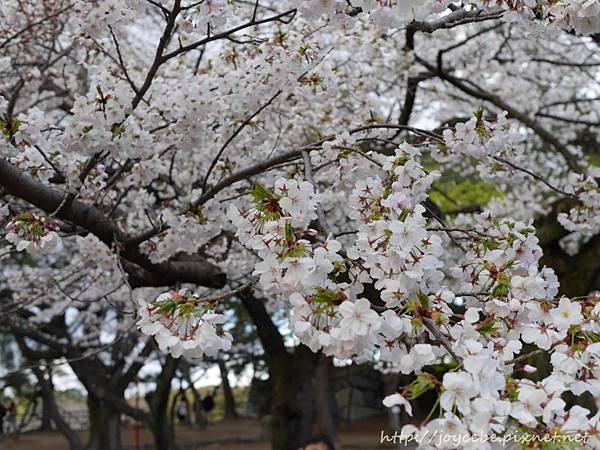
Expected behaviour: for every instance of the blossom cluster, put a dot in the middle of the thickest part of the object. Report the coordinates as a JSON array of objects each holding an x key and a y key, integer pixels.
[
  {"x": 509, "y": 300},
  {"x": 185, "y": 233},
  {"x": 183, "y": 324},
  {"x": 295, "y": 118},
  {"x": 324, "y": 285},
  {"x": 33, "y": 233},
  {"x": 582, "y": 16},
  {"x": 585, "y": 216}
]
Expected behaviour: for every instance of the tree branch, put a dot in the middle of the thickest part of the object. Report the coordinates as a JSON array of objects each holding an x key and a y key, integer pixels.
[{"x": 197, "y": 270}]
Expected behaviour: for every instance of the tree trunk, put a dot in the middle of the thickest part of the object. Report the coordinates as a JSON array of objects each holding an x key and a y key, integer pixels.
[
  {"x": 105, "y": 425},
  {"x": 162, "y": 426},
  {"x": 325, "y": 405},
  {"x": 197, "y": 406},
  {"x": 61, "y": 424},
  {"x": 230, "y": 411},
  {"x": 292, "y": 408},
  {"x": 46, "y": 420}
]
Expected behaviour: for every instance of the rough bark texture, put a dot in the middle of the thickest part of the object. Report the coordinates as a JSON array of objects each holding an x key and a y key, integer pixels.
[{"x": 292, "y": 409}]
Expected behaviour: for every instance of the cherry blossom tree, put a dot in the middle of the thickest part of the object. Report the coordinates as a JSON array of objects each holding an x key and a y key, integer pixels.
[{"x": 161, "y": 158}]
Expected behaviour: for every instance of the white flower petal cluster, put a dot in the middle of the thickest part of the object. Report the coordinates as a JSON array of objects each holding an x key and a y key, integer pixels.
[
  {"x": 581, "y": 16},
  {"x": 33, "y": 233},
  {"x": 584, "y": 217},
  {"x": 185, "y": 233},
  {"x": 143, "y": 130},
  {"x": 183, "y": 326}
]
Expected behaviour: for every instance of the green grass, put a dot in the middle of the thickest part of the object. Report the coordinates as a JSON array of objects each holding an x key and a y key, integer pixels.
[{"x": 458, "y": 194}]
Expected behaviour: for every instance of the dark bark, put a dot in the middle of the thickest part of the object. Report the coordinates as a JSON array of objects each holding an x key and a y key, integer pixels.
[
  {"x": 583, "y": 276},
  {"x": 230, "y": 410},
  {"x": 325, "y": 403},
  {"x": 292, "y": 409},
  {"x": 61, "y": 424},
  {"x": 46, "y": 419},
  {"x": 164, "y": 438},
  {"x": 141, "y": 269},
  {"x": 105, "y": 425}
]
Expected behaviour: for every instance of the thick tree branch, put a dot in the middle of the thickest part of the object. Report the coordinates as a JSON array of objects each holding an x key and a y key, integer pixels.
[{"x": 197, "y": 270}]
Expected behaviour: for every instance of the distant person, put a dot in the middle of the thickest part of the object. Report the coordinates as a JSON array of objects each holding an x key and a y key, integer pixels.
[
  {"x": 2, "y": 414},
  {"x": 182, "y": 410},
  {"x": 317, "y": 442},
  {"x": 208, "y": 404}
]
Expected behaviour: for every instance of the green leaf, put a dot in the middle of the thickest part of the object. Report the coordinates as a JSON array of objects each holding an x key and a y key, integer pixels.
[
  {"x": 424, "y": 382},
  {"x": 488, "y": 328},
  {"x": 289, "y": 233},
  {"x": 260, "y": 193},
  {"x": 297, "y": 251},
  {"x": 424, "y": 299},
  {"x": 592, "y": 337}
]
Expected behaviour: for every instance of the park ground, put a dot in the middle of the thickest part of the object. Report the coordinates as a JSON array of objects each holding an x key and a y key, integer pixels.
[{"x": 241, "y": 434}]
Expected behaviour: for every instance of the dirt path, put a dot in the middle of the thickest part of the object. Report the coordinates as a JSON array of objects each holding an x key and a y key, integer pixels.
[{"x": 242, "y": 434}]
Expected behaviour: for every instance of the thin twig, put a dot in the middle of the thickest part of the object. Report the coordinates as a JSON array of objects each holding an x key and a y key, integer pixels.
[
  {"x": 233, "y": 136},
  {"x": 308, "y": 175},
  {"x": 432, "y": 326}
]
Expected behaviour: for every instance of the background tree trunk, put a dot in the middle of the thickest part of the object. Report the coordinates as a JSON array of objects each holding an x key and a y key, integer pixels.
[
  {"x": 61, "y": 424},
  {"x": 105, "y": 425},
  {"x": 163, "y": 429},
  {"x": 46, "y": 416},
  {"x": 326, "y": 414},
  {"x": 292, "y": 408},
  {"x": 292, "y": 373},
  {"x": 230, "y": 410}
]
